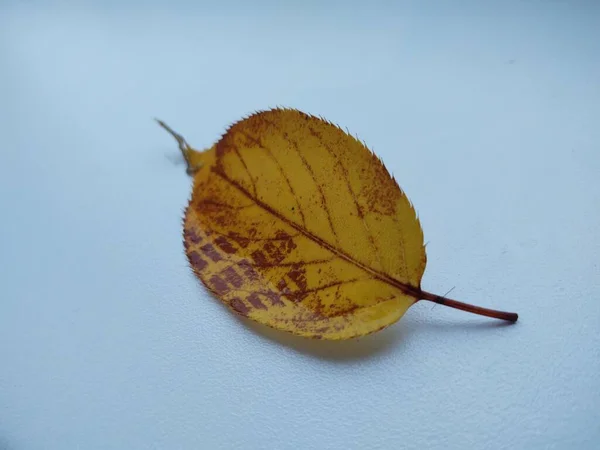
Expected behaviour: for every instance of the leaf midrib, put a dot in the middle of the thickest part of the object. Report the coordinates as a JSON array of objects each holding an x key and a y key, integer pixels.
[{"x": 381, "y": 276}]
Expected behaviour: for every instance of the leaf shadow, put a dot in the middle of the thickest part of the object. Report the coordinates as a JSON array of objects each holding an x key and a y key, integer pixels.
[
  {"x": 391, "y": 339},
  {"x": 4, "y": 445},
  {"x": 483, "y": 324},
  {"x": 394, "y": 338},
  {"x": 175, "y": 158},
  {"x": 362, "y": 348}
]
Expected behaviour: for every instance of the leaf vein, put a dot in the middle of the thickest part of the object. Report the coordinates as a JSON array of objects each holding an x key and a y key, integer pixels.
[
  {"x": 239, "y": 155},
  {"x": 283, "y": 174},
  {"x": 310, "y": 171},
  {"x": 225, "y": 205},
  {"x": 359, "y": 209},
  {"x": 404, "y": 287},
  {"x": 330, "y": 285},
  {"x": 253, "y": 239},
  {"x": 293, "y": 263}
]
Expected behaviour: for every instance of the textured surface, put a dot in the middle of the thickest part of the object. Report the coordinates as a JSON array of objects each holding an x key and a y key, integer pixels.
[{"x": 486, "y": 116}]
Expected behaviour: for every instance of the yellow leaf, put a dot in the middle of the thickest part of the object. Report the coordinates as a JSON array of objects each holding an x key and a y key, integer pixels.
[{"x": 297, "y": 225}]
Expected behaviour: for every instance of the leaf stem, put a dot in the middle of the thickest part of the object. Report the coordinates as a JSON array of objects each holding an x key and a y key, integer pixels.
[
  {"x": 441, "y": 300},
  {"x": 183, "y": 146}
]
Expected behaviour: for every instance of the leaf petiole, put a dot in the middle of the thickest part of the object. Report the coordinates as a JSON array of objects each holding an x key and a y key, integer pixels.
[
  {"x": 441, "y": 300},
  {"x": 186, "y": 150}
]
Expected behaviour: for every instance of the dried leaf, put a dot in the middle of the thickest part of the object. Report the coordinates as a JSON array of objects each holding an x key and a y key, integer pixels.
[{"x": 297, "y": 225}]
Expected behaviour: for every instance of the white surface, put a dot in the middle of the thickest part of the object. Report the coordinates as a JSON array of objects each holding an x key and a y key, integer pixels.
[{"x": 487, "y": 115}]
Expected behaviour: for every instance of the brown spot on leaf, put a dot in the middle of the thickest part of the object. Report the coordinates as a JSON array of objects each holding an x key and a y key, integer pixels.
[
  {"x": 275, "y": 254},
  {"x": 232, "y": 277},
  {"x": 248, "y": 270},
  {"x": 274, "y": 298},
  {"x": 296, "y": 296},
  {"x": 290, "y": 245},
  {"x": 225, "y": 245},
  {"x": 240, "y": 240},
  {"x": 282, "y": 286},
  {"x": 219, "y": 286},
  {"x": 197, "y": 261},
  {"x": 255, "y": 301},
  {"x": 191, "y": 236},
  {"x": 259, "y": 258},
  {"x": 298, "y": 276},
  {"x": 210, "y": 251},
  {"x": 381, "y": 196},
  {"x": 222, "y": 218},
  {"x": 280, "y": 234},
  {"x": 239, "y": 306}
]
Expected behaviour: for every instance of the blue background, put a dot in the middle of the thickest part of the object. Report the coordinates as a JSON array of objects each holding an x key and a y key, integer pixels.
[{"x": 488, "y": 115}]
